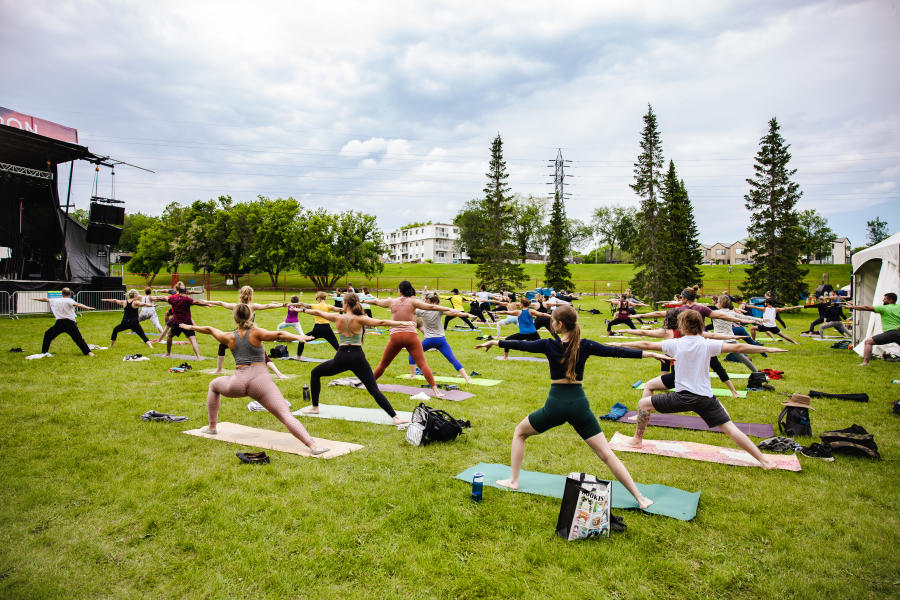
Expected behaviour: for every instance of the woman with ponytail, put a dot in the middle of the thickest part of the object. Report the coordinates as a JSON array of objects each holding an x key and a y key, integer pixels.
[
  {"x": 566, "y": 401},
  {"x": 245, "y": 296},
  {"x": 250, "y": 377}
]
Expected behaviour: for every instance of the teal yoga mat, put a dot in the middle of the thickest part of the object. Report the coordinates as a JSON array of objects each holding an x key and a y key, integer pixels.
[
  {"x": 667, "y": 501},
  {"x": 718, "y": 392}
]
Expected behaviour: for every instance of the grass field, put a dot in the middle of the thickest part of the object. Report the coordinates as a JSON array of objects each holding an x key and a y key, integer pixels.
[
  {"x": 589, "y": 279},
  {"x": 96, "y": 503}
]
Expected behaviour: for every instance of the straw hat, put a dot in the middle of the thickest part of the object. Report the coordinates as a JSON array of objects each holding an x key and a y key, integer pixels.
[{"x": 798, "y": 400}]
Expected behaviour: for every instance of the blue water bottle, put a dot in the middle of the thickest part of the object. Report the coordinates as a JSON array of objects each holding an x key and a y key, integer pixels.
[{"x": 477, "y": 485}]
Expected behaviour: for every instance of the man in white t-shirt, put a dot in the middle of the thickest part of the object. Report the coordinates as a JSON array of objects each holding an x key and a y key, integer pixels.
[
  {"x": 63, "y": 310},
  {"x": 692, "y": 388},
  {"x": 149, "y": 312}
]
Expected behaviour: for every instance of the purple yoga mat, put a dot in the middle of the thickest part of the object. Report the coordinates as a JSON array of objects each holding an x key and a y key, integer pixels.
[
  {"x": 453, "y": 395},
  {"x": 690, "y": 422}
]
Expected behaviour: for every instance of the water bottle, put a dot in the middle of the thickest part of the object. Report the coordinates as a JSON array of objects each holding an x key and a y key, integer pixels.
[
  {"x": 307, "y": 396},
  {"x": 477, "y": 485},
  {"x": 895, "y": 380}
]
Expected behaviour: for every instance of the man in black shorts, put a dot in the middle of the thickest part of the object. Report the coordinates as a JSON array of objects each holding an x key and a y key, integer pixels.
[
  {"x": 693, "y": 392},
  {"x": 890, "y": 325}
]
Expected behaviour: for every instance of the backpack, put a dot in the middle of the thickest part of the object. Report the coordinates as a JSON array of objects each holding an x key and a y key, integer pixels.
[
  {"x": 433, "y": 425},
  {"x": 279, "y": 351},
  {"x": 794, "y": 421},
  {"x": 852, "y": 440},
  {"x": 756, "y": 380}
]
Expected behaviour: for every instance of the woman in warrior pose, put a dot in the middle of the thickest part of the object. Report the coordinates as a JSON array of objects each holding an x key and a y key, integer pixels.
[
  {"x": 245, "y": 296},
  {"x": 349, "y": 356},
  {"x": 405, "y": 336},
  {"x": 434, "y": 334},
  {"x": 566, "y": 401},
  {"x": 130, "y": 317},
  {"x": 525, "y": 318},
  {"x": 250, "y": 377},
  {"x": 149, "y": 310},
  {"x": 321, "y": 328}
]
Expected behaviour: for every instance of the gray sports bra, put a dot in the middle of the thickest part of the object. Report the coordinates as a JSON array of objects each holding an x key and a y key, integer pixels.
[{"x": 246, "y": 353}]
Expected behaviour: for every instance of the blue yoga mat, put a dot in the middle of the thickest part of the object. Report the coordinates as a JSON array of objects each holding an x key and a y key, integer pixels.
[{"x": 667, "y": 501}]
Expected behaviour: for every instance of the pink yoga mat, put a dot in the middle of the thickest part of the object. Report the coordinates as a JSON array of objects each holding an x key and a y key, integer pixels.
[
  {"x": 704, "y": 452},
  {"x": 690, "y": 422}
]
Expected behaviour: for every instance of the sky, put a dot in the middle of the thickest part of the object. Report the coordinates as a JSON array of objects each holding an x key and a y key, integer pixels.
[{"x": 390, "y": 107}]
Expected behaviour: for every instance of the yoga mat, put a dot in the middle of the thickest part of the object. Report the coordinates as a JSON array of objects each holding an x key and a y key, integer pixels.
[
  {"x": 182, "y": 357},
  {"x": 829, "y": 339},
  {"x": 281, "y": 441},
  {"x": 691, "y": 422},
  {"x": 718, "y": 392},
  {"x": 352, "y": 413},
  {"x": 390, "y": 388},
  {"x": 667, "y": 501},
  {"x": 304, "y": 359},
  {"x": 525, "y": 358},
  {"x": 732, "y": 375},
  {"x": 443, "y": 379},
  {"x": 703, "y": 452},
  {"x": 230, "y": 372}
]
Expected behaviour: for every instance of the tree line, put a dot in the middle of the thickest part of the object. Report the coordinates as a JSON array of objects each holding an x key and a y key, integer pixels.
[{"x": 265, "y": 235}]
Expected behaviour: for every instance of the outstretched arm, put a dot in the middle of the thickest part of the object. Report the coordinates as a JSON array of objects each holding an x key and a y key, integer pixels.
[
  {"x": 784, "y": 308},
  {"x": 721, "y": 336},
  {"x": 855, "y": 307},
  {"x": 368, "y": 322},
  {"x": 319, "y": 313},
  {"x": 256, "y": 306},
  {"x": 749, "y": 349},
  {"x": 639, "y": 345},
  {"x": 657, "y": 333},
  {"x": 512, "y": 313},
  {"x": 382, "y": 302},
  {"x": 221, "y": 336},
  {"x": 719, "y": 314},
  {"x": 429, "y": 306},
  {"x": 264, "y": 335},
  {"x": 113, "y": 301},
  {"x": 142, "y": 304},
  {"x": 83, "y": 307},
  {"x": 228, "y": 305},
  {"x": 654, "y": 314}
]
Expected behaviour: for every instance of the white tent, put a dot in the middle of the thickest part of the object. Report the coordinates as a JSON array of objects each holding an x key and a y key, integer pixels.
[{"x": 876, "y": 271}]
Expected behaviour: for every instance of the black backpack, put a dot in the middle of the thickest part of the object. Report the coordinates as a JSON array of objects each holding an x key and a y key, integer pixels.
[
  {"x": 794, "y": 421},
  {"x": 279, "y": 351},
  {"x": 756, "y": 380},
  {"x": 437, "y": 424}
]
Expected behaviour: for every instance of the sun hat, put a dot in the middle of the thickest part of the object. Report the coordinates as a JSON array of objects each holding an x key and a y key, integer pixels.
[{"x": 798, "y": 400}]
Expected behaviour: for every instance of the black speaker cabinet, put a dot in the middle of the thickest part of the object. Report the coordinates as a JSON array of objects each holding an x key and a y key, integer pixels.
[
  {"x": 100, "y": 233},
  {"x": 107, "y": 213}
]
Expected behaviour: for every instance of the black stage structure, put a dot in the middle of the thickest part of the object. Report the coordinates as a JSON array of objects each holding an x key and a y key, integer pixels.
[{"x": 49, "y": 249}]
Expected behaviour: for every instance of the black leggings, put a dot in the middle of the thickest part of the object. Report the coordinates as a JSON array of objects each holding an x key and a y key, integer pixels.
[
  {"x": 545, "y": 323},
  {"x": 368, "y": 312},
  {"x": 323, "y": 331},
  {"x": 812, "y": 325},
  {"x": 466, "y": 320},
  {"x": 66, "y": 326},
  {"x": 349, "y": 358},
  {"x": 135, "y": 326},
  {"x": 478, "y": 310},
  {"x": 528, "y": 337},
  {"x": 778, "y": 318},
  {"x": 628, "y": 322}
]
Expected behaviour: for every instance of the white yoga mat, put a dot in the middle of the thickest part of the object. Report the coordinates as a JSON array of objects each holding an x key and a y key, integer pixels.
[{"x": 353, "y": 413}]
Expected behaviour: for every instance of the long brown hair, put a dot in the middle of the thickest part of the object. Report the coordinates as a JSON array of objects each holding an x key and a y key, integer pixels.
[
  {"x": 243, "y": 316},
  {"x": 351, "y": 303},
  {"x": 567, "y": 317}
]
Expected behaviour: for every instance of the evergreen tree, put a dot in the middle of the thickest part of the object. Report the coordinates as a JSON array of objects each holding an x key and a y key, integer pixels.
[
  {"x": 774, "y": 231},
  {"x": 498, "y": 268},
  {"x": 682, "y": 237},
  {"x": 556, "y": 271},
  {"x": 650, "y": 258}
]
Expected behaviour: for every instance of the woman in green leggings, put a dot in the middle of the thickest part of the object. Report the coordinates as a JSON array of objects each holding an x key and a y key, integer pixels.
[{"x": 566, "y": 402}]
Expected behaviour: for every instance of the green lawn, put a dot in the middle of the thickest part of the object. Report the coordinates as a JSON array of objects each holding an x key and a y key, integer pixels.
[
  {"x": 590, "y": 279},
  {"x": 96, "y": 503}
]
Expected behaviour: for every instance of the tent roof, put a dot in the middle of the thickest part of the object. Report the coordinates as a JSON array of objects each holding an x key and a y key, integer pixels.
[
  {"x": 879, "y": 250},
  {"x": 32, "y": 150}
]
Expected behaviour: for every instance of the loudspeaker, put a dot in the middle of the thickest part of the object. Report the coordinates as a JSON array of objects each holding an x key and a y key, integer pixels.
[
  {"x": 107, "y": 213},
  {"x": 106, "y": 283},
  {"x": 98, "y": 233}
]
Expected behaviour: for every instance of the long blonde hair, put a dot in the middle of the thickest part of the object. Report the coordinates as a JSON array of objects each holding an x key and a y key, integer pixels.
[
  {"x": 567, "y": 317},
  {"x": 245, "y": 294},
  {"x": 243, "y": 316}
]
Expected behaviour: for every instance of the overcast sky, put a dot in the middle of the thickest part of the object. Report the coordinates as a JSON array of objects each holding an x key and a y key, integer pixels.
[{"x": 390, "y": 107}]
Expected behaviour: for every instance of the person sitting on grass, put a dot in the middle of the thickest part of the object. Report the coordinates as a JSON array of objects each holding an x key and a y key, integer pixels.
[
  {"x": 251, "y": 377},
  {"x": 566, "y": 401},
  {"x": 890, "y": 325},
  {"x": 693, "y": 392},
  {"x": 768, "y": 321}
]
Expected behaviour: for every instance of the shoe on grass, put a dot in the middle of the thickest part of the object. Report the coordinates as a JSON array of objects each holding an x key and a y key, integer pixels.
[{"x": 817, "y": 450}]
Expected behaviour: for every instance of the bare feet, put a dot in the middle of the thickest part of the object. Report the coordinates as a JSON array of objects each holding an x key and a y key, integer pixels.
[
  {"x": 208, "y": 430},
  {"x": 508, "y": 484},
  {"x": 168, "y": 356},
  {"x": 312, "y": 410},
  {"x": 863, "y": 364},
  {"x": 399, "y": 421},
  {"x": 466, "y": 377},
  {"x": 317, "y": 450},
  {"x": 91, "y": 354},
  {"x": 282, "y": 376},
  {"x": 644, "y": 502},
  {"x": 767, "y": 464},
  {"x": 437, "y": 393},
  {"x": 218, "y": 372},
  {"x": 633, "y": 442}
]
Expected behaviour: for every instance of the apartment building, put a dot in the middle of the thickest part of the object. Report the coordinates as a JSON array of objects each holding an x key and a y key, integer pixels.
[
  {"x": 840, "y": 254},
  {"x": 435, "y": 242},
  {"x": 737, "y": 254}
]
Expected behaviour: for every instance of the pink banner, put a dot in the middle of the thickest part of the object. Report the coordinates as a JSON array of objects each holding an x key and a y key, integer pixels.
[{"x": 11, "y": 118}]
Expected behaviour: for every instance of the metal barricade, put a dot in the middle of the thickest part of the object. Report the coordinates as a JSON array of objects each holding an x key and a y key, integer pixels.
[
  {"x": 6, "y": 304},
  {"x": 93, "y": 299},
  {"x": 24, "y": 303}
]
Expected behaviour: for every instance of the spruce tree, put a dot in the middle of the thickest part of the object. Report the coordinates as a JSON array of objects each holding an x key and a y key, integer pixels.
[
  {"x": 774, "y": 232},
  {"x": 682, "y": 237},
  {"x": 650, "y": 249},
  {"x": 556, "y": 271},
  {"x": 498, "y": 268}
]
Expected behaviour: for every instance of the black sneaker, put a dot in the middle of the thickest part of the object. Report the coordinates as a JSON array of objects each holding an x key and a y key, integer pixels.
[
  {"x": 819, "y": 451},
  {"x": 474, "y": 374}
]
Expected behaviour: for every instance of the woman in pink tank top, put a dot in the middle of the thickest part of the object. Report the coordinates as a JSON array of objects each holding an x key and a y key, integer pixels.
[{"x": 405, "y": 337}]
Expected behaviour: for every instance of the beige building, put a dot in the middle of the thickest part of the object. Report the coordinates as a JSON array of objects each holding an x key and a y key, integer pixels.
[
  {"x": 435, "y": 242},
  {"x": 737, "y": 254},
  {"x": 840, "y": 254}
]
